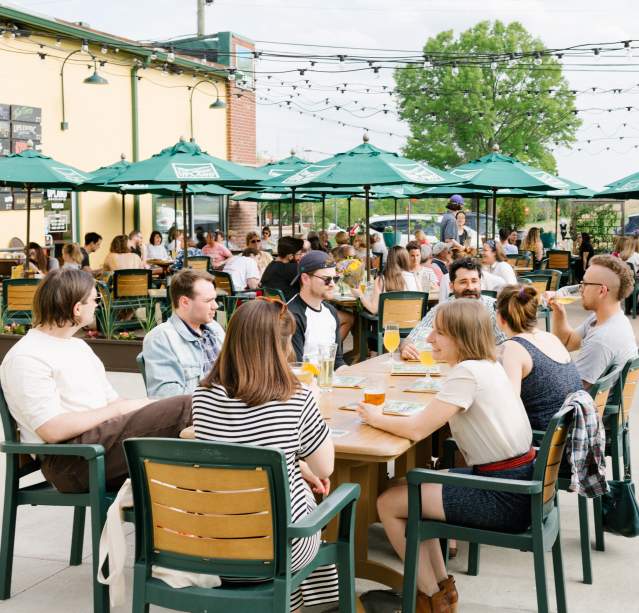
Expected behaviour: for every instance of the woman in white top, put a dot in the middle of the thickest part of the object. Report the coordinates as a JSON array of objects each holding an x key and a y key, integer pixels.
[
  {"x": 495, "y": 262},
  {"x": 490, "y": 425},
  {"x": 396, "y": 278},
  {"x": 155, "y": 250}
]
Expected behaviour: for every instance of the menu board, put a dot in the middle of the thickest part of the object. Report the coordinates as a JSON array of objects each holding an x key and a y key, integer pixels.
[
  {"x": 5, "y": 113},
  {"x": 5, "y": 129},
  {"x": 20, "y": 199},
  {"x": 5, "y": 146},
  {"x": 25, "y": 131},
  {"x": 31, "y": 114}
]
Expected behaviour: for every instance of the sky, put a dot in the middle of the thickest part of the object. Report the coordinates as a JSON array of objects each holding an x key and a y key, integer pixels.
[{"x": 400, "y": 25}]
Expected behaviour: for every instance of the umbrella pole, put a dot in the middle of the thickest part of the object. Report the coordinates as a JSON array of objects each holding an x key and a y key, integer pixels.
[
  {"x": 226, "y": 220},
  {"x": 477, "y": 217},
  {"x": 349, "y": 212},
  {"x": 408, "y": 220},
  {"x": 395, "y": 214},
  {"x": 556, "y": 221},
  {"x": 123, "y": 213},
  {"x": 25, "y": 267},
  {"x": 494, "y": 211},
  {"x": 486, "y": 218},
  {"x": 175, "y": 212},
  {"x": 323, "y": 211},
  {"x": 368, "y": 234},
  {"x": 623, "y": 218},
  {"x": 279, "y": 218},
  {"x": 185, "y": 227},
  {"x": 293, "y": 211}
]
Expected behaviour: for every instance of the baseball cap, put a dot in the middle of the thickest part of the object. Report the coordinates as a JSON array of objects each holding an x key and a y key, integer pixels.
[
  {"x": 456, "y": 199},
  {"x": 439, "y": 247},
  {"x": 312, "y": 261}
]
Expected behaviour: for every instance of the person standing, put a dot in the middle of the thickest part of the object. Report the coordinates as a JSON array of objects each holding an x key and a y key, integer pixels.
[
  {"x": 448, "y": 224},
  {"x": 586, "y": 251}
]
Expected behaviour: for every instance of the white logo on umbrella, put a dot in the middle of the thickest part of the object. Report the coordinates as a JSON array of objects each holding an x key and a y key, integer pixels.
[
  {"x": 71, "y": 175},
  {"x": 307, "y": 174},
  {"x": 195, "y": 171},
  {"x": 417, "y": 173},
  {"x": 270, "y": 196},
  {"x": 464, "y": 173},
  {"x": 276, "y": 172},
  {"x": 631, "y": 185},
  {"x": 549, "y": 179}
]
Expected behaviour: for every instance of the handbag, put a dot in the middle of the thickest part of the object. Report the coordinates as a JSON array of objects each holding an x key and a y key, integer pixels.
[{"x": 620, "y": 508}]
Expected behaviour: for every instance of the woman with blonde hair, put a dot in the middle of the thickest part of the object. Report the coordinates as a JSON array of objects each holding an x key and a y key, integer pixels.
[
  {"x": 494, "y": 438},
  {"x": 71, "y": 256},
  {"x": 120, "y": 257},
  {"x": 532, "y": 243},
  {"x": 252, "y": 397},
  {"x": 537, "y": 363},
  {"x": 628, "y": 252},
  {"x": 396, "y": 278}
]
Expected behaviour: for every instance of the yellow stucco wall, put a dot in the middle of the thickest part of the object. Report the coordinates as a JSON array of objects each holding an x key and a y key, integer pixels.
[{"x": 100, "y": 127}]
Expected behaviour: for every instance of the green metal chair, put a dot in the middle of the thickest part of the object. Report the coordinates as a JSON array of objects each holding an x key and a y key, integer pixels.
[
  {"x": 17, "y": 300},
  {"x": 406, "y": 309},
  {"x": 489, "y": 292},
  {"x": 19, "y": 463},
  {"x": 271, "y": 292},
  {"x": 139, "y": 360},
  {"x": 560, "y": 260},
  {"x": 541, "y": 282},
  {"x": 200, "y": 262},
  {"x": 229, "y": 296},
  {"x": 225, "y": 510},
  {"x": 129, "y": 291},
  {"x": 543, "y": 535}
]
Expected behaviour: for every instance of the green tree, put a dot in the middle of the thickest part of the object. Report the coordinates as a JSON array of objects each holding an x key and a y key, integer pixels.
[
  {"x": 462, "y": 105},
  {"x": 511, "y": 212}
]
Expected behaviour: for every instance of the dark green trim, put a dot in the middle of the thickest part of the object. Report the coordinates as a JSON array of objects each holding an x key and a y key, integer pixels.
[
  {"x": 65, "y": 29},
  {"x": 135, "y": 139},
  {"x": 75, "y": 216}
]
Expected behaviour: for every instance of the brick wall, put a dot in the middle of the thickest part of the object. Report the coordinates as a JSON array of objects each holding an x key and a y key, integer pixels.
[{"x": 241, "y": 144}]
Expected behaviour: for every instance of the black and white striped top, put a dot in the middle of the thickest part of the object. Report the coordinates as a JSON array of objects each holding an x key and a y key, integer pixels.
[{"x": 295, "y": 426}]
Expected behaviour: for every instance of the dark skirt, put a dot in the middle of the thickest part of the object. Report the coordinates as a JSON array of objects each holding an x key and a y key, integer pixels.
[{"x": 486, "y": 509}]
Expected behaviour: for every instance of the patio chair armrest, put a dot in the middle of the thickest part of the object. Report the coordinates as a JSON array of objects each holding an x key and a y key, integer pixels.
[
  {"x": 345, "y": 495},
  {"x": 418, "y": 476},
  {"x": 88, "y": 452},
  {"x": 363, "y": 313},
  {"x": 537, "y": 437},
  {"x": 611, "y": 409}
]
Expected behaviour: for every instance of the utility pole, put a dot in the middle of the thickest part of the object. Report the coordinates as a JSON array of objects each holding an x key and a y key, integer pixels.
[{"x": 201, "y": 26}]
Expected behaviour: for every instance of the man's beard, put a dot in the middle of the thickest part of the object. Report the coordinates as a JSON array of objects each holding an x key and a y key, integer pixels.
[{"x": 469, "y": 293}]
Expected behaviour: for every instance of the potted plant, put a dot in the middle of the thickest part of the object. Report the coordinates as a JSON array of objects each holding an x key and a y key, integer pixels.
[{"x": 391, "y": 237}]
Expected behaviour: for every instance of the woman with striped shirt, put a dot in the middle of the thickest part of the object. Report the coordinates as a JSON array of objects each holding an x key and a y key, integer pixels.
[{"x": 252, "y": 397}]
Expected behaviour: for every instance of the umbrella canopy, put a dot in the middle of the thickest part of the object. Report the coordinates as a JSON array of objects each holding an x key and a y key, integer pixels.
[
  {"x": 283, "y": 197},
  {"x": 31, "y": 169},
  {"x": 285, "y": 166},
  {"x": 185, "y": 163},
  {"x": 365, "y": 165},
  {"x": 625, "y": 188},
  {"x": 98, "y": 180}
]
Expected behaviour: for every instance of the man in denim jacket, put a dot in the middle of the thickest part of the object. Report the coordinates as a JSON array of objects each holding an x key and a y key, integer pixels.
[{"x": 178, "y": 352}]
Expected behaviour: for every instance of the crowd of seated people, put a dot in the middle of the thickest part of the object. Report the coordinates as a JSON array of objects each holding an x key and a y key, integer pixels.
[{"x": 201, "y": 375}]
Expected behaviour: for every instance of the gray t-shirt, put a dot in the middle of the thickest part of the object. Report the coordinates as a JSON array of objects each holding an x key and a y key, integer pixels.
[
  {"x": 448, "y": 227},
  {"x": 610, "y": 344}
]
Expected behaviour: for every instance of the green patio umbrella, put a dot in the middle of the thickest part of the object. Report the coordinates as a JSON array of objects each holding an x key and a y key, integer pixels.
[
  {"x": 183, "y": 164},
  {"x": 625, "y": 188},
  {"x": 30, "y": 170},
  {"x": 496, "y": 171},
  {"x": 362, "y": 167}
]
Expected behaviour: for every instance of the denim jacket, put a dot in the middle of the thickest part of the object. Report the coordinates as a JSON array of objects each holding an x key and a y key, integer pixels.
[{"x": 173, "y": 358}]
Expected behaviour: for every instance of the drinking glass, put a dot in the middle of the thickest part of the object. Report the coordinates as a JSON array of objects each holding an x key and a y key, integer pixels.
[
  {"x": 374, "y": 394},
  {"x": 391, "y": 339},
  {"x": 302, "y": 374},
  {"x": 426, "y": 356},
  {"x": 310, "y": 363},
  {"x": 326, "y": 364}
]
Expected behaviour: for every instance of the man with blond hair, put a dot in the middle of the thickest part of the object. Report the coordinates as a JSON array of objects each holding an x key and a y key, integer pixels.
[{"x": 605, "y": 339}]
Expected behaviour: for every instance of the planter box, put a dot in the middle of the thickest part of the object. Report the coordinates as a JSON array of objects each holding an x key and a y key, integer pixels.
[{"x": 117, "y": 356}]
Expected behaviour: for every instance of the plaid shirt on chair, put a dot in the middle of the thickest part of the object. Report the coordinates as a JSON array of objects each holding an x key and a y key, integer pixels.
[{"x": 585, "y": 447}]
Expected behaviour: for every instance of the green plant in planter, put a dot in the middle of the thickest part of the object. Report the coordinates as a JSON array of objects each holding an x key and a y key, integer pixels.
[
  {"x": 150, "y": 320},
  {"x": 15, "y": 328},
  {"x": 105, "y": 315},
  {"x": 125, "y": 336}
]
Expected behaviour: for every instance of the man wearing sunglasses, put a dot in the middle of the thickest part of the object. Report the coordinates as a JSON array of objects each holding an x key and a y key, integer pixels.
[
  {"x": 605, "y": 339},
  {"x": 316, "y": 320}
]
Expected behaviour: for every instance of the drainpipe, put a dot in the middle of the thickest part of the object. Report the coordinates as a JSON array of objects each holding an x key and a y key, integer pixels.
[{"x": 135, "y": 140}]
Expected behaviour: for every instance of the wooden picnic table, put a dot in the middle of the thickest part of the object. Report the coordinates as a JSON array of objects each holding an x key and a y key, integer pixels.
[{"x": 363, "y": 453}]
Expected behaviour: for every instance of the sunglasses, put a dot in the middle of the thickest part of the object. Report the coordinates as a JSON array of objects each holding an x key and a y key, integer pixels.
[
  {"x": 327, "y": 280},
  {"x": 275, "y": 300},
  {"x": 255, "y": 240}
]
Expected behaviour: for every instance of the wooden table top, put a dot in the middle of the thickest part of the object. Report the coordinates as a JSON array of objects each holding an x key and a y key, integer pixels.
[{"x": 362, "y": 441}]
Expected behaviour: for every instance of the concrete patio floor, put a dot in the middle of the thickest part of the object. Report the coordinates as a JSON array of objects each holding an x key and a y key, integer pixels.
[{"x": 43, "y": 580}]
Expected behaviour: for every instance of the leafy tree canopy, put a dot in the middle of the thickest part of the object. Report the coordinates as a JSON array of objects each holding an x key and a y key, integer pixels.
[{"x": 461, "y": 105}]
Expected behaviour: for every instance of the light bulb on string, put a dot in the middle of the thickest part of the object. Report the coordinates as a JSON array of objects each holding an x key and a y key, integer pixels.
[
  {"x": 493, "y": 65},
  {"x": 85, "y": 46},
  {"x": 537, "y": 60},
  {"x": 454, "y": 70},
  {"x": 628, "y": 48},
  {"x": 597, "y": 53}
]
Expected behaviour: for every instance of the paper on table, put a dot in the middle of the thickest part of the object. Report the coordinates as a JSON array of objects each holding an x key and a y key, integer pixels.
[
  {"x": 346, "y": 381},
  {"x": 336, "y": 433},
  {"x": 425, "y": 385},
  {"x": 412, "y": 369},
  {"x": 403, "y": 408}
]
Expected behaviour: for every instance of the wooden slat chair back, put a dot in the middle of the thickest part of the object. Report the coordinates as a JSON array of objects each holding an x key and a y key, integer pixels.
[
  {"x": 405, "y": 309},
  {"x": 540, "y": 282},
  {"x": 223, "y": 283},
  {"x": 17, "y": 300},
  {"x": 224, "y": 510},
  {"x": 559, "y": 260},
  {"x": 131, "y": 283},
  {"x": 200, "y": 262},
  {"x": 600, "y": 390},
  {"x": 629, "y": 388},
  {"x": 555, "y": 279},
  {"x": 551, "y": 474}
]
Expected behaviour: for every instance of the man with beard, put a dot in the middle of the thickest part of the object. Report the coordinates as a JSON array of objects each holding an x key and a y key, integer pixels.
[{"x": 465, "y": 282}]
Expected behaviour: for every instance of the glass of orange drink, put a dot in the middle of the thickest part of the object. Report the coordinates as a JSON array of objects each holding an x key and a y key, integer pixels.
[
  {"x": 426, "y": 355},
  {"x": 391, "y": 339},
  {"x": 302, "y": 372},
  {"x": 374, "y": 394}
]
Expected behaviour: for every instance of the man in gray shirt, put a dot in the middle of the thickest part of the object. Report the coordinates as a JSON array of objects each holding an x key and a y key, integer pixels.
[
  {"x": 605, "y": 339},
  {"x": 448, "y": 224}
]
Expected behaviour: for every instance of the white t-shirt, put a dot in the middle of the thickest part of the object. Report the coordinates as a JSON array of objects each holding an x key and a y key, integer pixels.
[
  {"x": 43, "y": 376},
  {"x": 610, "y": 344},
  {"x": 320, "y": 329},
  {"x": 493, "y": 424},
  {"x": 505, "y": 271},
  {"x": 410, "y": 282},
  {"x": 241, "y": 270},
  {"x": 510, "y": 249}
]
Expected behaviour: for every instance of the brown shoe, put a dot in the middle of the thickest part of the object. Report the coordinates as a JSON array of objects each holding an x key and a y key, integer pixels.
[
  {"x": 437, "y": 603},
  {"x": 448, "y": 586}
]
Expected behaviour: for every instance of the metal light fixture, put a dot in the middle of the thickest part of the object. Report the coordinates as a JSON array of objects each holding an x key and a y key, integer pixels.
[
  {"x": 94, "y": 79},
  {"x": 218, "y": 103}
]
